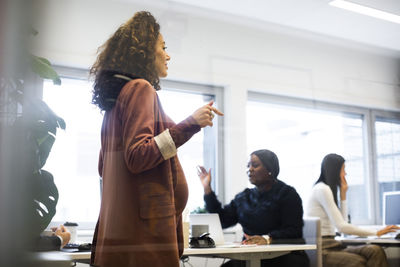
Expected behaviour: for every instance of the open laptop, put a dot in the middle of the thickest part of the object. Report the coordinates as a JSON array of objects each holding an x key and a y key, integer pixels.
[
  {"x": 391, "y": 204},
  {"x": 214, "y": 228},
  {"x": 391, "y": 214}
]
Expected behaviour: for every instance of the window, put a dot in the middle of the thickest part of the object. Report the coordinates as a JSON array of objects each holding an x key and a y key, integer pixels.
[
  {"x": 74, "y": 157},
  {"x": 302, "y": 132},
  {"x": 203, "y": 148},
  {"x": 387, "y": 132}
]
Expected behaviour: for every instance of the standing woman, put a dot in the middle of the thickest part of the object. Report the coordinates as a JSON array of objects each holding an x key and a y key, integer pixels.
[
  {"x": 323, "y": 203},
  {"x": 144, "y": 187}
]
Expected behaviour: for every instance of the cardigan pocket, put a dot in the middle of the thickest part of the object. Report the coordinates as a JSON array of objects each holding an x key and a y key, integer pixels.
[{"x": 155, "y": 202}]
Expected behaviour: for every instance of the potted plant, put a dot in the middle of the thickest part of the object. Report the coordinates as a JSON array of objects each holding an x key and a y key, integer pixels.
[{"x": 33, "y": 129}]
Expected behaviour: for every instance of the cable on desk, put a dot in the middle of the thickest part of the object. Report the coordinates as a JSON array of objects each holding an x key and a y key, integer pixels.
[{"x": 185, "y": 259}]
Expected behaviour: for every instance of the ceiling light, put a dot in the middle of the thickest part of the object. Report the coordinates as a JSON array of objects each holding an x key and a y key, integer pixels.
[{"x": 366, "y": 10}]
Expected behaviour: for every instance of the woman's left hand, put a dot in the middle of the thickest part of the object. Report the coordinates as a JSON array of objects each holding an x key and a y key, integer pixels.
[
  {"x": 388, "y": 229},
  {"x": 254, "y": 239}
]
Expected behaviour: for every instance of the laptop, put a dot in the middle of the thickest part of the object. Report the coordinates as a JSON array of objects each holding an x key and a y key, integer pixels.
[
  {"x": 214, "y": 228},
  {"x": 391, "y": 204},
  {"x": 391, "y": 214}
]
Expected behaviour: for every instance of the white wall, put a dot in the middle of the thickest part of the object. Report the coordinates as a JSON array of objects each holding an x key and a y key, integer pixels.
[{"x": 220, "y": 52}]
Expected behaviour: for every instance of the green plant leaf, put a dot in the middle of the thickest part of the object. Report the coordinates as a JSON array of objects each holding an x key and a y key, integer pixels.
[
  {"x": 43, "y": 68},
  {"x": 44, "y": 199},
  {"x": 199, "y": 210}
]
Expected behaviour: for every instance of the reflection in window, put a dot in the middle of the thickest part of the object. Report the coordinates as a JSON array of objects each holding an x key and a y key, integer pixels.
[
  {"x": 74, "y": 157},
  {"x": 200, "y": 149},
  {"x": 301, "y": 137}
]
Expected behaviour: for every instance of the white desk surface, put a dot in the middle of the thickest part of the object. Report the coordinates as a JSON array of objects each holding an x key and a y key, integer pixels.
[
  {"x": 250, "y": 249},
  {"x": 370, "y": 240},
  {"x": 252, "y": 254}
]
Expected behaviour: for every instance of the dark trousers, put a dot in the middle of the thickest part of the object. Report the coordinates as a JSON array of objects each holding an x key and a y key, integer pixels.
[{"x": 295, "y": 258}]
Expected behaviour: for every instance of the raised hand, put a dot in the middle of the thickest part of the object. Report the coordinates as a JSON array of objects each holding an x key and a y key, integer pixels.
[
  {"x": 205, "y": 178},
  {"x": 343, "y": 187}
]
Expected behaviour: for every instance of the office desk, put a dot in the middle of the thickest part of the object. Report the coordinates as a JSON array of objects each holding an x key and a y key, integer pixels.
[
  {"x": 252, "y": 255},
  {"x": 386, "y": 242}
]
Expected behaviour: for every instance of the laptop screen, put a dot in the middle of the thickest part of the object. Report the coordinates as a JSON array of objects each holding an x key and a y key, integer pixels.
[{"x": 391, "y": 208}]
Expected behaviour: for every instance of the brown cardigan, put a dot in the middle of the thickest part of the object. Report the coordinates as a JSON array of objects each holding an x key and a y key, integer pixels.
[{"x": 140, "y": 221}]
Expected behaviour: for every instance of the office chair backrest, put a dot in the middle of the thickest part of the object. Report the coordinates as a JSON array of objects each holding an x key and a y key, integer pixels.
[{"x": 312, "y": 235}]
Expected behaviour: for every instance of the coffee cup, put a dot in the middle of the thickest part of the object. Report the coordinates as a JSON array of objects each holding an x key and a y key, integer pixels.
[
  {"x": 72, "y": 228},
  {"x": 198, "y": 229}
]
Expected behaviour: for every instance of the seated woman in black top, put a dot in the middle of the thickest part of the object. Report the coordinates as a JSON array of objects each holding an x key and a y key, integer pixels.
[{"x": 272, "y": 212}]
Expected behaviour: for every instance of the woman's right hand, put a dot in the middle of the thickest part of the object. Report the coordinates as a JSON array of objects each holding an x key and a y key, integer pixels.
[
  {"x": 343, "y": 187},
  {"x": 205, "y": 114},
  {"x": 205, "y": 179},
  {"x": 387, "y": 229}
]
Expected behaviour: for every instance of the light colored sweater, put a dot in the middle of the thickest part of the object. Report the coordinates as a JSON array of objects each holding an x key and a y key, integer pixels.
[{"x": 321, "y": 204}]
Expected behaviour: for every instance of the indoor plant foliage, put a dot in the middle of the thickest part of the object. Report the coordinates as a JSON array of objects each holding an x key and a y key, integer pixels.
[
  {"x": 34, "y": 129},
  {"x": 42, "y": 124}
]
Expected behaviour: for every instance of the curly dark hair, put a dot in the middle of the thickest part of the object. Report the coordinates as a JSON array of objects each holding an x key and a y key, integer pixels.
[{"x": 129, "y": 51}]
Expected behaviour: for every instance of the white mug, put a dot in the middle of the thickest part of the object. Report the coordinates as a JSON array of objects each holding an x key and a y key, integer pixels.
[
  {"x": 72, "y": 228},
  {"x": 198, "y": 229}
]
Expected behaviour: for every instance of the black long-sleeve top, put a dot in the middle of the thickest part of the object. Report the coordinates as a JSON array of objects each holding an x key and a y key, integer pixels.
[
  {"x": 46, "y": 243},
  {"x": 277, "y": 212}
]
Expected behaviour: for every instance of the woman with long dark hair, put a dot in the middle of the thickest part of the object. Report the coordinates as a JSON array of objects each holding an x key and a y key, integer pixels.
[
  {"x": 324, "y": 204},
  {"x": 144, "y": 187}
]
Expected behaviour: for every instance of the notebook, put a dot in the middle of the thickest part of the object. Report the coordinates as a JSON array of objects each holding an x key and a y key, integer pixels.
[{"x": 214, "y": 228}]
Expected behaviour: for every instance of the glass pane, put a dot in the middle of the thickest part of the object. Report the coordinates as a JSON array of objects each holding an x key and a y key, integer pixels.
[
  {"x": 178, "y": 106},
  {"x": 74, "y": 157},
  {"x": 388, "y": 155},
  {"x": 301, "y": 137}
]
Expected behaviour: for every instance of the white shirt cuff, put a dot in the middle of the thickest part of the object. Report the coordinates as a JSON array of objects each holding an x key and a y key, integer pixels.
[
  {"x": 62, "y": 241},
  {"x": 166, "y": 144},
  {"x": 268, "y": 238}
]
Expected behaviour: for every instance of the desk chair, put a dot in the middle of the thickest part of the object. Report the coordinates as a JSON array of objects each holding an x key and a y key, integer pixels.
[{"x": 312, "y": 235}]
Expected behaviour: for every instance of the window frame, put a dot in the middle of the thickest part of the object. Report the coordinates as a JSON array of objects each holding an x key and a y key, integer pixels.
[
  {"x": 369, "y": 116},
  {"x": 386, "y": 116},
  {"x": 217, "y": 184},
  {"x": 174, "y": 85}
]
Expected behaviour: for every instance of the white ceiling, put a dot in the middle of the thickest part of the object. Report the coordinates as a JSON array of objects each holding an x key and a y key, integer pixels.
[{"x": 305, "y": 17}]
